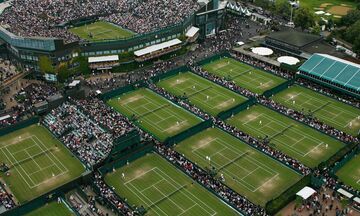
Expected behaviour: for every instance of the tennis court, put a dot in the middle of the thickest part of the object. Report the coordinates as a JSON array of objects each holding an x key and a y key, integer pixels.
[
  {"x": 295, "y": 139},
  {"x": 244, "y": 75},
  {"x": 52, "y": 209},
  {"x": 206, "y": 95},
  {"x": 37, "y": 161},
  {"x": 350, "y": 172},
  {"x": 157, "y": 185},
  {"x": 154, "y": 113},
  {"x": 246, "y": 170},
  {"x": 100, "y": 31},
  {"x": 331, "y": 111}
]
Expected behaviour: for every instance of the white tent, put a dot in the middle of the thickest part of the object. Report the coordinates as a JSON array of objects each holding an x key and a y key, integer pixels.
[
  {"x": 306, "y": 192},
  {"x": 288, "y": 60},
  {"x": 344, "y": 193},
  {"x": 263, "y": 51}
]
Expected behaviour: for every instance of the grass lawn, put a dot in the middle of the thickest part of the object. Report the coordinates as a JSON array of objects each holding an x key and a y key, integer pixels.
[
  {"x": 350, "y": 173},
  {"x": 246, "y": 76},
  {"x": 101, "y": 31},
  {"x": 38, "y": 162},
  {"x": 331, "y": 6},
  {"x": 154, "y": 113},
  {"x": 157, "y": 185},
  {"x": 246, "y": 170},
  {"x": 331, "y": 111},
  {"x": 52, "y": 209},
  {"x": 206, "y": 95},
  {"x": 295, "y": 139}
]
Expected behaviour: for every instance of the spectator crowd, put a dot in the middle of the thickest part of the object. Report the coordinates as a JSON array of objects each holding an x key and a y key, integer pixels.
[{"x": 47, "y": 18}]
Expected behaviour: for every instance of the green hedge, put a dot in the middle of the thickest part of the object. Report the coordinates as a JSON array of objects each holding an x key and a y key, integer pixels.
[{"x": 275, "y": 205}]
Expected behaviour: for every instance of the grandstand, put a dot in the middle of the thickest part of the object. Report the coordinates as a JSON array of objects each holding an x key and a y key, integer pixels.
[{"x": 333, "y": 72}]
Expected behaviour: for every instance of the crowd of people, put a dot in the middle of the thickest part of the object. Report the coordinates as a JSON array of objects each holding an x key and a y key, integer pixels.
[
  {"x": 107, "y": 193},
  {"x": 79, "y": 133},
  {"x": 7, "y": 71},
  {"x": 106, "y": 116},
  {"x": 6, "y": 199},
  {"x": 47, "y": 18}
]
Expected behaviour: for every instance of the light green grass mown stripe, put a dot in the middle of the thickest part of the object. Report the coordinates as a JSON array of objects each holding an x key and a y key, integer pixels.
[
  {"x": 301, "y": 142},
  {"x": 153, "y": 182},
  {"x": 246, "y": 170}
]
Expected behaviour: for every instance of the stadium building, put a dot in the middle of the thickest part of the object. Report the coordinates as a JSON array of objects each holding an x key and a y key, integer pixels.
[
  {"x": 333, "y": 72},
  {"x": 28, "y": 50}
]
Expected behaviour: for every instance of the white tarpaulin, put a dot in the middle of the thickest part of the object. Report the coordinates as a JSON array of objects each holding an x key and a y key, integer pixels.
[
  {"x": 192, "y": 31},
  {"x": 103, "y": 59},
  {"x": 263, "y": 51},
  {"x": 345, "y": 193},
  {"x": 306, "y": 192},
  {"x": 288, "y": 60}
]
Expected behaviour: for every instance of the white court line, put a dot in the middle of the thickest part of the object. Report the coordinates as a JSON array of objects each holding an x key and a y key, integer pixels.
[{"x": 157, "y": 182}]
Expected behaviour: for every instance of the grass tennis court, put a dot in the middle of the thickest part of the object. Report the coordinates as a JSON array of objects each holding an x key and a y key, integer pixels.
[
  {"x": 157, "y": 185},
  {"x": 52, "y": 209},
  {"x": 331, "y": 111},
  {"x": 293, "y": 138},
  {"x": 154, "y": 113},
  {"x": 350, "y": 172},
  {"x": 38, "y": 162},
  {"x": 246, "y": 170},
  {"x": 100, "y": 31},
  {"x": 206, "y": 95},
  {"x": 246, "y": 76}
]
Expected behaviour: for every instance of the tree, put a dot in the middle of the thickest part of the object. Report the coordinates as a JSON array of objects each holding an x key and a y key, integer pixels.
[
  {"x": 45, "y": 65},
  {"x": 350, "y": 18},
  {"x": 283, "y": 7},
  {"x": 304, "y": 18}
]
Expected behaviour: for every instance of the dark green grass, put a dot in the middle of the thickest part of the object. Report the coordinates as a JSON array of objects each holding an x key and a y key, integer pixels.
[
  {"x": 154, "y": 113},
  {"x": 38, "y": 162},
  {"x": 246, "y": 170},
  {"x": 295, "y": 139},
  {"x": 163, "y": 190},
  {"x": 206, "y": 95},
  {"x": 350, "y": 173},
  {"x": 101, "y": 31},
  {"x": 244, "y": 75},
  {"x": 331, "y": 111},
  {"x": 52, "y": 209}
]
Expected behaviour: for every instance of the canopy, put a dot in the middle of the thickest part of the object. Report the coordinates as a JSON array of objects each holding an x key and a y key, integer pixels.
[
  {"x": 345, "y": 193},
  {"x": 319, "y": 12},
  {"x": 103, "y": 59},
  {"x": 74, "y": 83},
  {"x": 4, "y": 117},
  {"x": 263, "y": 51},
  {"x": 306, "y": 192},
  {"x": 192, "y": 31},
  {"x": 240, "y": 43},
  {"x": 288, "y": 60},
  {"x": 157, "y": 47},
  {"x": 357, "y": 200}
]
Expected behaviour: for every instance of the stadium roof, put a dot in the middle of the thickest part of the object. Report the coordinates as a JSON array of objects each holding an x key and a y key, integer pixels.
[
  {"x": 333, "y": 69},
  {"x": 192, "y": 31},
  {"x": 103, "y": 59},
  {"x": 295, "y": 38},
  {"x": 157, "y": 47}
]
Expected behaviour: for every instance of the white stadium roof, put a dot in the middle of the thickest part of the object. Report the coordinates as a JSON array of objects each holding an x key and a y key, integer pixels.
[
  {"x": 157, "y": 47},
  {"x": 103, "y": 59},
  {"x": 192, "y": 31}
]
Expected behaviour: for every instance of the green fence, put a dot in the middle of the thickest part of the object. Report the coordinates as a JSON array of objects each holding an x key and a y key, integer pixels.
[
  {"x": 213, "y": 58},
  {"x": 125, "y": 159},
  {"x": 19, "y": 125},
  {"x": 169, "y": 73},
  {"x": 188, "y": 133},
  {"x": 49, "y": 196},
  {"x": 275, "y": 205},
  {"x": 343, "y": 157},
  {"x": 278, "y": 88},
  {"x": 121, "y": 90},
  {"x": 228, "y": 113}
]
